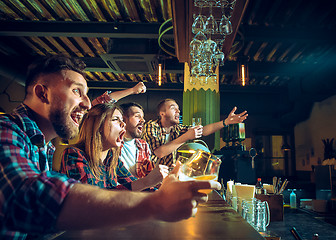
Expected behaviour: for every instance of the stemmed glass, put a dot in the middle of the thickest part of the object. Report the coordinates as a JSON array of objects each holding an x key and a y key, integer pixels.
[
  {"x": 200, "y": 36},
  {"x": 211, "y": 3},
  {"x": 220, "y": 42},
  {"x": 196, "y": 70},
  {"x": 225, "y": 26},
  {"x": 198, "y": 24},
  {"x": 195, "y": 47},
  {"x": 206, "y": 54},
  {"x": 211, "y": 26},
  {"x": 219, "y": 58},
  {"x": 212, "y": 76},
  {"x": 222, "y": 3},
  {"x": 209, "y": 46},
  {"x": 200, "y": 3}
]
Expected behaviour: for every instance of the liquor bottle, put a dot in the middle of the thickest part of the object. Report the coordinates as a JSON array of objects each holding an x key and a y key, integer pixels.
[
  {"x": 292, "y": 199},
  {"x": 259, "y": 189}
]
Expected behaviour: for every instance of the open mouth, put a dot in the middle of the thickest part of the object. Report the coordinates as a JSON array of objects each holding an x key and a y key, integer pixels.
[
  {"x": 140, "y": 127},
  {"x": 121, "y": 136},
  {"x": 76, "y": 117}
]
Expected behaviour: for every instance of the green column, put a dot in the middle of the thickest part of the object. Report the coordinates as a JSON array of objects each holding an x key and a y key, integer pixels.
[{"x": 202, "y": 101}]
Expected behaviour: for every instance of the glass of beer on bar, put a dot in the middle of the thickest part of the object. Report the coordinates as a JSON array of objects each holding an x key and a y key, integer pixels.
[{"x": 201, "y": 165}]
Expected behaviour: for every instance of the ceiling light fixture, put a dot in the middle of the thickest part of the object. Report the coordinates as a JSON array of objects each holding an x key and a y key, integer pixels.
[
  {"x": 159, "y": 74},
  {"x": 242, "y": 70},
  {"x": 243, "y": 73}
]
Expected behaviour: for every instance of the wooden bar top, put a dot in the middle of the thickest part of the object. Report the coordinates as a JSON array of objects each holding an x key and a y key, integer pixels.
[{"x": 214, "y": 220}]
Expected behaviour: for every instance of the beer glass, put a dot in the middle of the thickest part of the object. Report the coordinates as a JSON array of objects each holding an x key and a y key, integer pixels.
[
  {"x": 196, "y": 122},
  {"x": 201, "y": 165},
  {"x": 256, "y": 213}
]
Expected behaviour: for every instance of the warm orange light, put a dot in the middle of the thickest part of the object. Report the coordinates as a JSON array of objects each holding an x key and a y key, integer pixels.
[
  {"x": 243, "y": 74},
  {"x": 160, "y": 74}
]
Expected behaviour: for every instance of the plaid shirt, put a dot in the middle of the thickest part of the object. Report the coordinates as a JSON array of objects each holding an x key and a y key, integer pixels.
[
  {"x": 155, "y": 136},
  {"x": 31, "y": 199},
  {"x": 143, "y": 155},
  {"x": 75, "y": 165}
]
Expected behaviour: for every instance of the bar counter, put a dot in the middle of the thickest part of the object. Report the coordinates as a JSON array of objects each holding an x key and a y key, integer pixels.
[{"x": 214, "y": 220}]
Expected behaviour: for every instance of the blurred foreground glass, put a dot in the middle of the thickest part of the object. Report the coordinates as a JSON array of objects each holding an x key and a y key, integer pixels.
[
  {"x": 182, "y": 159},
  {"x": 201, "y": 165}
]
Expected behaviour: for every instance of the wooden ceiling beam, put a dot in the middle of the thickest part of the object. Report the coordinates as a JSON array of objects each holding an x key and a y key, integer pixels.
[
  {"x": 182, "y": 27},
  {"x": 80, "y": 29}
]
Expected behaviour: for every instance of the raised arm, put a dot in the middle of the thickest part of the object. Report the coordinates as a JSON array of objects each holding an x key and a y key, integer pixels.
[
  {"x": 231, "y": 119},
  {"x": 111, "y": 97},
  {"x": 168, "y": 148},
  {"x": 152, "y": 135},
  {"x": 139, "y": 88}
]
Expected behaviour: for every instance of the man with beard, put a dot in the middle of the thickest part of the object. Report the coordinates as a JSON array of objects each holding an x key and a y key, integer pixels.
[
  {"x": 108, "y": 97},
  {"x": 165, "y": 134},
  {"x": 35, "y": 200},
  {"x": 135, "y": 152}
]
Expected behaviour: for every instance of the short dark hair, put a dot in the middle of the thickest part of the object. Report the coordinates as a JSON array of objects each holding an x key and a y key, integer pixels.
[
  {"x": 161, "y": 104},
  {"x": 52, "y": 64},
  {"x": 126, "y": 106}
]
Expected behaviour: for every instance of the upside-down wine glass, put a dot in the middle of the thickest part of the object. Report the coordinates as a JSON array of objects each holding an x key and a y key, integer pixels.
[
  {"x": 211, "y": 26},
  {"x": 225, "y": 26},
  {"x": 198, "y": 24}
]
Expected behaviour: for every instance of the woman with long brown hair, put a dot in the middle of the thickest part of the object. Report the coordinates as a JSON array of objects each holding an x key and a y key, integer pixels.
[{"x": 94, "y": 159}]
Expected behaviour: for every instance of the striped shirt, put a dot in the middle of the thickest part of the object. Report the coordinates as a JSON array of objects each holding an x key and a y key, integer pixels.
[
  {"x": 155, "y": 135},
  {"x": 75, "y": 165},
  {"x": 31, "y": 195}
]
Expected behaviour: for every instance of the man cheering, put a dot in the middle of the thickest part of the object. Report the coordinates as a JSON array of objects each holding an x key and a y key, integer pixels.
[{"x": 165, "y": 134}]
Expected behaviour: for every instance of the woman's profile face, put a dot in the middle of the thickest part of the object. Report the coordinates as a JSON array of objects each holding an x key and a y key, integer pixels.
[{"x": 114, "y": 130}]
